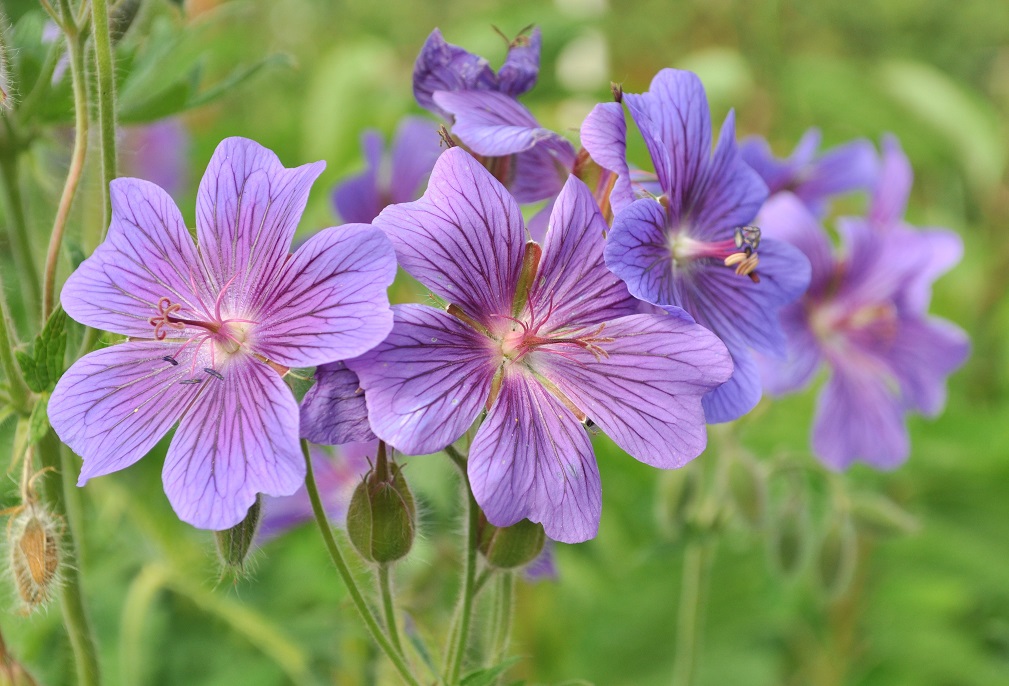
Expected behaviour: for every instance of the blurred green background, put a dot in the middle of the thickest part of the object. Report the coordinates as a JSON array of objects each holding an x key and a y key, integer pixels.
[{"x": 927, "y": 607}]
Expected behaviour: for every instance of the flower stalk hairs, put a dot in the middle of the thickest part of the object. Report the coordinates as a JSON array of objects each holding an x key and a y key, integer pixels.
[
  {"x": 542, "y": 338},
  {"x": 211, "y": 331}
]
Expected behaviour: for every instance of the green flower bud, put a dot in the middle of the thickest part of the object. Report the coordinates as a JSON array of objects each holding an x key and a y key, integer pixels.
[
  {"x": 789, "y": 538},
  {"x": 512, "y": 546},
  {"x": 878, "y": 515},
  {"x": 234, "y": 544},
  {"x": 382, "y": 516},
  {"x": 676, "y": 501},
  {"x": 837, "y": 557},
  {"x": 748, "y": 489}
]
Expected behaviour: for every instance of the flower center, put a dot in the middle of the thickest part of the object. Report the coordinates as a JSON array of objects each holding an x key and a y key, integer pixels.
[
  {"x": 740, "y": 253},
  {"x": 871, "y": 324}
]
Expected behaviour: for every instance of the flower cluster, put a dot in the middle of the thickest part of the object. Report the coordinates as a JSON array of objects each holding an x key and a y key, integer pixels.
[{"x": 646, "y": 303}]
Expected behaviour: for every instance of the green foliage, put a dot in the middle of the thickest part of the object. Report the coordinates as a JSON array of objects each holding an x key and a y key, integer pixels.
[{"x": 42, "y": 361}]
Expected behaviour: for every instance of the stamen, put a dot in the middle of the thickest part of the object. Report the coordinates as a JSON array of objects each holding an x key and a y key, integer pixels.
[
  {"x": 171, "y": 360},
  {"x": 214, "y": 373},
  {"x": 189, "y": 382}
]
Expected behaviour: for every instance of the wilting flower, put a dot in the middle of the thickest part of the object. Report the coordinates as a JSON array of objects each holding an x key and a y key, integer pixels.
[
  {"x": 338, "y": 470},
  {"x": 811, "y": 177},
  {"x": 531, "y": 161},
  {"x": 212, "y": 331},
  {"x": 398, "y": 177},
  {"x": 544, "y": 338},
  {"x": 692, "y": 247},
  {"x": 866, "y": 317}
]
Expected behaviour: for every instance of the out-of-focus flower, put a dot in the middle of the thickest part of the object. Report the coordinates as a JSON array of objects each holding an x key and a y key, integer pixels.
[
  {"x": 398, "y": 177},
  {"x": 866, "y": 317},
  {"x": 544, "y": 338},
  {"x": 692, "y": 247},
  {"x": 157, "y": 152},
  {"x": 338, "y": 471},
  {"x": 212, "y": 332},
  {"x": 813, "y": 177},
  {"x": 531, "y": 161}
]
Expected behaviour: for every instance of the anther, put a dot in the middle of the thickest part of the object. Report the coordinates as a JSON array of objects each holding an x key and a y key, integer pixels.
[
  {"x": 171, "y": 360},
  {"x": 214, "y": 373},
  {"x": 189, "y": 382}
]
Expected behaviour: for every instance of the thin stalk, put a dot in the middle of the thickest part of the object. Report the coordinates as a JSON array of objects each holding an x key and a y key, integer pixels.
[
  {"x": 105, "y": 70},
  {"x": 20, "y": 394},
  {"x": 348, "y": 578},
  {"x": 75, "y": 614},
  {"x": 503, "y": 616},
  {"x": 19, "y": 235},
  {"x": 75, "y": 48},
  {"x": 42, "y": 83},
  {"x": 460, "y": 640},
  {"x": 690, "y": 623},
  {"x": 385, "y": 589}
]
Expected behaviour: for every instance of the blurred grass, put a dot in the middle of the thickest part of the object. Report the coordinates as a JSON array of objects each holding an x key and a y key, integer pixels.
[{"x": 929, "y": 609}]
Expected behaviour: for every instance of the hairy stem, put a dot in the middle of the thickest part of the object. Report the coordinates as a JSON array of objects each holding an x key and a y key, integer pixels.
[
  {"x": 75, "y": 48},
  {"x": 348, "y": 578},
  {"x": 20, "y": 394},
  {"x": 459, "y": 638},
  {"x": 505, "y": 611},
  {"x": 75, "y": 615},
  {"x": 690, "y": 623},
  {"x": 19, "y": 235},
  {"x": 105, "y": 70},
  {"x": 388, "y": 606}
]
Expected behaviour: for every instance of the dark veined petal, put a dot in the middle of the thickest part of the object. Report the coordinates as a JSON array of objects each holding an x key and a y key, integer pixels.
[
  {"x": 358, "y": 199},
  {"x": 893, "y": 185},
  {"x": 925, "y": 351},
  {"x": 333, "y": 411},
  {"x": 491, "y": 123},
  {"x": 728, "y": 194},
  {"x": 441, "y": 66},
  {"x": 247, "y": 209},
  {"x": 541, "y": 170},
  {"x": 644, "y": 388},
  {"x": 573, "y": 285},
  {"x": 330, "y": 301},
  {"x": 464, "y": 239},
  {"x": 638, "y": 252},
  {"x": 531, "y": 458},
  {"x": 859, "y": 417},
  {"x": 739, "y": 394},
  {"x": 783, "y": 217},
  {"x": 113, "y": 405},
  {"x": 239, "y": 438},
  {"x": 415, "y": 149},
  {"x": 427, "y": 381},
  {"x": 147, "y": 255},
  {"x": 522, "y": 66},
  {"x": 604, "y": 135}
]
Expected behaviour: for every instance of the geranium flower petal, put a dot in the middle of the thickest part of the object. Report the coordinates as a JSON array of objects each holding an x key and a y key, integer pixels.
[
  {"x": 637, "y": 251},
  {"x": 427, "y": 381},
  {"x": 532, "y": 459},
  {"x": 113, "y": 405},
  {"x": 464, "y": 239},
  {"x": 604, "y": 136},
  {"x": 573, "y": 284},
  {"x": 247, "y": 209},
  {"x": 925, "y": 351},
  {"x": 644, "y": 389},
  {"x": 847, "y": 167},
  {"x": 357, "y": 199},
  {"x": 522, "y": 65},
  {"x": 333, "y": 411},
  {"x": 442, "y": 66},
  {"x": 147, "y": 255},
  {"x": 491, "y": 123},
  {"x": 330, "y": 300},
  {"x": 239, "y": 438},
  {"x": 889, "y": 197},
  {"x": 785, "y": 218},
  {"x": 739, "y": 394},
  {"x": 802, "y": 354},
  {"x": 415, "y": 149}
]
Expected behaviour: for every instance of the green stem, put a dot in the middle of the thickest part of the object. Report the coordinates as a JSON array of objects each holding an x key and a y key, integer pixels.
[
  {"x": 460, "y": 640},
  {"x": 75, "y": 48},
  {"x": 690, "y": 624},
  {"x": 505, "y": 611},
  {"x": 42, "y": 85},
  {"x": 20, "y": 237},
  {"x": 385, "y": 588},
  {"x": 75, "y": 615},
  {"x": 105, "y": 70},
  {"x": 348, "y": 578},
  {"x": 20, "y": 394}
]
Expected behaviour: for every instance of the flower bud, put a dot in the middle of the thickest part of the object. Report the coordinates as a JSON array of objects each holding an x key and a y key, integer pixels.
[
  {"x": 837, "y": 557},
  {"x": 382, "y": 517},
  {"x": 34, "y": 555},
  {"x": 880, "y": 516},
  {"x": 511, "y": 546},
  {"x": 748, "y": 490},
  {"x": 234, "y": 544},
  {"x": 788, "y": 538},
  {"x": 676, "y": 501}
]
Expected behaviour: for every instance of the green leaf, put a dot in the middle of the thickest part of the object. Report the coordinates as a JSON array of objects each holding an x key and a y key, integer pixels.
[
  {"x": 42, "y": 362},
  {"x": 38, "y": 422},
  {"x": 488, "y": 676}
]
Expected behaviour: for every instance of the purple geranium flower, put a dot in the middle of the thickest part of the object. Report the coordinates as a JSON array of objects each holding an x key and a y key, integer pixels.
[
  {"x": 866, "y": 316},
  {"x": 543, "y": 338},
  {"x": 212, "y": 331},
  {"x": 399, "y": 178},
  {"x": 461, "y": 87},
  {"x": 157, "y": 152},
  {"x": 691, "y": 247},
  {"x": 811, "y": 177}
]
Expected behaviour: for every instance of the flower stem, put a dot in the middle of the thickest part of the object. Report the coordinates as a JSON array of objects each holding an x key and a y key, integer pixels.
[
  {"x": 690, "y": 624},
  {"x": 105, "y": 70},
  {"x": 75, "y": 615},
  {"x": 385, "y": 588},
  {"x": 459, "y": 639},
  {"x": 20, "y": 394},
  {"x": 348, "y": 578},
  {"x": 505, "y": 611},
  {"x": 75, "y": 48},
  {"x": 20, "y": 237}
]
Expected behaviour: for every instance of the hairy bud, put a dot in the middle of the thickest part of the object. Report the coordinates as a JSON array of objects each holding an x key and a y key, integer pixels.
[
  {"x": 234, "y": 544},
  {"x": 34, "y": 555},
  {"x": 382, "y": 516},
  {"x": 6, "y": 69},
  {"x": 748, "y": 489},
  {"x": 837, "y": 557},
  {"x": 788, "y": 538},
  {"x": 512, "y": 546}
]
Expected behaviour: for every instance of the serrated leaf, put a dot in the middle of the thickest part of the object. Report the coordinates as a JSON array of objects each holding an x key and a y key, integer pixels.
[
  {"x": 42, "y": 361},
  {"x": 38, "y": 421},
  {"x": 488, "y": 676}
]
